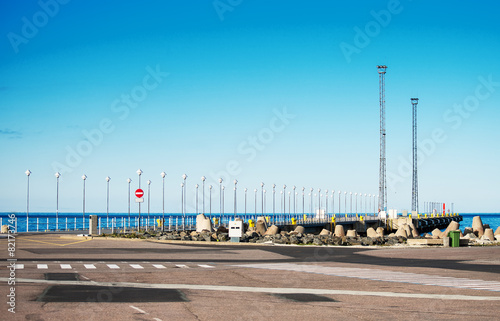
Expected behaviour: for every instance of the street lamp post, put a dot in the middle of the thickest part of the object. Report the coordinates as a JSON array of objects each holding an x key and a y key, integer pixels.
[
  {"x": 345, "y": 202},
  {"x": 210, "y": 189},
  {"x": 84, "y": 178},
  {"x": 319, "y": 202},
  {"x": 289, "y": 205},
  {"x": 311, "y": 204},
  {"x": 333, "y": 202},
  {"x": 223, "y": 192},
  {"x": 350, "y": 211},
  {"x": 255, "y": 205},
  {"x": 262, "y": 196},
  {"x": 284, "y": 200},
  {"x": 235, "y": 206},
  {"x": 182, "y": 204},
  {"x": 107, "y": 199},
  {"x": 203, "y": 178},
  {"x": 356, "y": 196},
  {"x": 303, "y": 202},
  {"x": 57, "y": 199},
  {"x": 139, "y": 173},
  {"x": 149, "y": 198},
  {"x": 294, "y": 205},
  {"x": 246, "y": 189},
  {"x": 366, "y": 209},
  {"x": 197, "y": 198},
  {"x": 184, "y": 176},
  {"x": 326, "y": 203},
  {"x": 339, "y": 202},
  {"x": 220, "y": 197},
  {"x": 163, "y": 174},
  {"x": 28, "y": 173},
  {"x": 129, "y": 181},
  {"x": 274, "y": 203}
]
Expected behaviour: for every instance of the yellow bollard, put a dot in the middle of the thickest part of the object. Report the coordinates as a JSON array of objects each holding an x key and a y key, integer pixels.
[
  {"x": 251, "y": 223},
  {"x": 418, "y": 216},
  {"x": 294, "y": 221},
  {"x": 158, "y": 222},
  {"x": 409, "y": 216},
  {"x": 425, "y": 215},
  {"x": 361, "y": 218},
  {"x": 305, "y": 217},
  {"x": 267, "y": 219},
  {"x": 333, "y": 219},
  {"x": 216, "y": 221}
]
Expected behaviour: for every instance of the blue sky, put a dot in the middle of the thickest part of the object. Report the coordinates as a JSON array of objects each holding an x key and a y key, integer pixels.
[{"x": 283, "y": 93}]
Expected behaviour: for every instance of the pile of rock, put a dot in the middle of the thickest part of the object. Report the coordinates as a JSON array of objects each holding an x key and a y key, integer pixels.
[{"x": 481, "y": 233}]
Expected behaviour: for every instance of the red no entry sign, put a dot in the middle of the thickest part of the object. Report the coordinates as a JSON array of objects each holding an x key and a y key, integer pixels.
[{"x": 139, "y": 193}]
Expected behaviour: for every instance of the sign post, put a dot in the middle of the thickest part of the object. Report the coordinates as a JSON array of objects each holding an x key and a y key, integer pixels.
[{"x": 139, "y": 193}]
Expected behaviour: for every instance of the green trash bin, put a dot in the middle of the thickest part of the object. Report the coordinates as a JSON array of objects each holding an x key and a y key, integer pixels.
[{"x": 455, "y": 238}]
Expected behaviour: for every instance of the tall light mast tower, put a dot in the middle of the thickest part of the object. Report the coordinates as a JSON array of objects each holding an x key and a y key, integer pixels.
[
  {"x": 382, "y": 187},
  {"x": 414, "y": 188}
]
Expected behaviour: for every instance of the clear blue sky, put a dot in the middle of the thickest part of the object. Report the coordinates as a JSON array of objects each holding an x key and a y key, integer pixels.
[{"x": 283, "y": 92}]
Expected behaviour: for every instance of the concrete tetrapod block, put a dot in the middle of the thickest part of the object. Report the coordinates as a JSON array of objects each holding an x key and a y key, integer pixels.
[
  {"x": 477, "y": 226},
  {"x": 261, "y": 227},
  {"x": 488, "y": 233},
  {"x": 380, "y": 231},
  {"x": 497, "y": 232},
  {"x": 203, "y": 223},
  {"x": 497, "y": 237},
  {"x": 407, "y": 230},
  {"x": 414, "y": 231},
  {"x": 325, "y": 232},
  {"x": 436, "y": 232},
  {"x": 453, "y": 226},
  {"x": 401, "y": 232},
  {"x": 370, "y": 232},
  {"x": 300, "y": 229},
  {"x": 339, "y": 231},
  {"x": 352, "y": 233},
  {"x": 262, "y": 219},
  {"x": 273, "y": 230}
]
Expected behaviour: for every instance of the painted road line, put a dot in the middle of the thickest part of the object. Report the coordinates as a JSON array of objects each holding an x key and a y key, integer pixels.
[
  {"x": 136, "y": 266},
  {"x": 42, "y": 266},
  {"x": 139, "y": 310},
  {"x": 113, "y": 266},
  {"x": 159, "y": 266},
  {"x": 182, "y": 266},
  {"x": 228, "y": 288},
  {"x": 89, "y": 266},
  {"x": 19, "y": 266},
  {"x": 66, "y": 266},
  {"x": 382, "y": 275},
  {"x": 206, "y": 266}
]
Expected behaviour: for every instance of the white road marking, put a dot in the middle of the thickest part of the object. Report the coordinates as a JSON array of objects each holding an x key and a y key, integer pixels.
[
  {"x": 136, "y": 266},
  {"x": 159, "y": 266},
  {"x": 382, "y": 275},
  {"x": 136, "y": 308},
  {"x": 206, "y": 266},
  {"x": 452, "y": 297},
  {"x": 89, "y": 266},
  {"x": 42, "y": 266},
  {"x": 113, "y": 266},
  {"x": 66, "y": 266},
  {"x": 19, "y": 266},
  {"x": 182, "y": 266}
]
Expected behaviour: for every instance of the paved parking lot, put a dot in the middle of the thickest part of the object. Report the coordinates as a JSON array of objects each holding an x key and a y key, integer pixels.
[{"x": 95, "y": 279}]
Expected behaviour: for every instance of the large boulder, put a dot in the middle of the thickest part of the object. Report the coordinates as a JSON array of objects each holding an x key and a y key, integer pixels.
[
  {"x": 203, "y": 223},
  {"x": 339, "y": 231},
  {"x": 488, "y": 233},
  {"x": 380, "y": 231},
  {"x": 273, "y": 230},
  {"x": 477, "y": 226}
]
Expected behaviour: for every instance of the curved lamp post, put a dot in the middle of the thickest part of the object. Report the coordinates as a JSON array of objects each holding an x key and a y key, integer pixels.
[
  {"x": 139, "y": 173},
  {"x": 163, "y": 174},
  {"x": 107, "y": 199}
]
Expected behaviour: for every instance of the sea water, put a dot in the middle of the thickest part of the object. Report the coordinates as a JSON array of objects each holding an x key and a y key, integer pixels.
[{"x": 70, "y": 220}]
